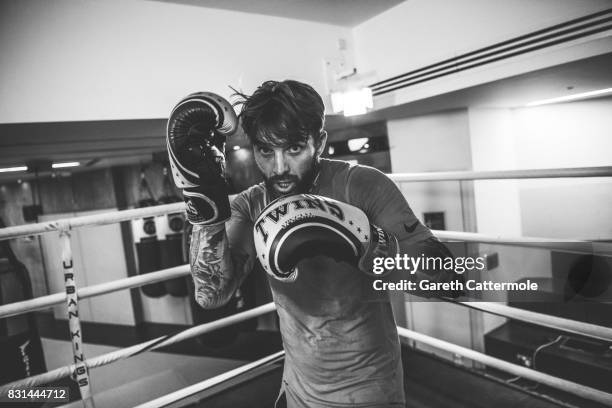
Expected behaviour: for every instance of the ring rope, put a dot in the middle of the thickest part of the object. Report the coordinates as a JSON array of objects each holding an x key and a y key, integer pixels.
[
  {"x": 136, "y": 349},
  {"x": 558, "y": 244},
  {"x": 552, "y": 322},
  {"x": 558, "y": 383},
  {"x": 580, "y": 390},
  {"x": 106, "y": 218},
  {"x": 126, "y": 215},
  {"x": 577, "y": 246},
  {"x": 546, "y": 379},
  {"x": 603, "y": 171},
  {"x": 64, "y": 225},
  {"x": 43, "y": 302},
  {"x": 209, "y": 383}
]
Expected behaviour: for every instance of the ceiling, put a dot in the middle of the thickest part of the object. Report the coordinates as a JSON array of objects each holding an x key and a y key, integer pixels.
[
  {"x": 575, "y": 77},
  {"x": 98, "y": 144},
  {"x": 346, "y": 13}
]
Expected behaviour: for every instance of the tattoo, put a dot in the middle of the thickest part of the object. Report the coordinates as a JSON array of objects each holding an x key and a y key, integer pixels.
[{"x": 211, "y": 266}]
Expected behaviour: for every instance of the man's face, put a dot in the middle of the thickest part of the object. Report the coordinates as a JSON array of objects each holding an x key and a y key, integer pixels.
[{"x": 289, "y": 168}]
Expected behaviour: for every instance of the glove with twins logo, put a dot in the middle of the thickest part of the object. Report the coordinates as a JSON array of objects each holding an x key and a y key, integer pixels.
[
  {"x": 197, "y": 129},
  {"x": 300, "y": 226}
]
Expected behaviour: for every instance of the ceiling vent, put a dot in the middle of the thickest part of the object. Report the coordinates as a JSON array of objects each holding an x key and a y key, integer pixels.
[{"x": 557, "y": 34}]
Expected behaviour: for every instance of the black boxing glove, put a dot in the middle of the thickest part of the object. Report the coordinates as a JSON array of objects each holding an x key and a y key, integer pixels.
[
  {"x": 300, "y": 226},
  {"x": 196, "y": 133}
]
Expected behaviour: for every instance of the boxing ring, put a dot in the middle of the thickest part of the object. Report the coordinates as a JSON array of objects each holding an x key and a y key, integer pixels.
[{"x": 73, "y": 294}]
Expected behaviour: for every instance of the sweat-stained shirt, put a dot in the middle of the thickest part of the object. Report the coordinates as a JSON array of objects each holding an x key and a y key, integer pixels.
[{"x": 339, "y": 335}]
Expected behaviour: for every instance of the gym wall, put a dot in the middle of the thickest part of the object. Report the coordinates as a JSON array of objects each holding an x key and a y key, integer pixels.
[{"x": 128, "y": 51}]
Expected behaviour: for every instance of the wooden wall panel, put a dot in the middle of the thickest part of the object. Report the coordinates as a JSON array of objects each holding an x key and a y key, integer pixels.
[
  {"x": 154, "y": 175},
  {"x": 93, "y": 190},
  {"x": 78, "y": 192},
  {"x": 56, "y": 195}
]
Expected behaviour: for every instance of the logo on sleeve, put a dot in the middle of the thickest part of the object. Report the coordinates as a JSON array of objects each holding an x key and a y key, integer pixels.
[{"x": 410, "y": 229}]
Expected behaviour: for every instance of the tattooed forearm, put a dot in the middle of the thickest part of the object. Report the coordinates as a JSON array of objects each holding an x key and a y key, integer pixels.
[{"x": 211, "y": 266}]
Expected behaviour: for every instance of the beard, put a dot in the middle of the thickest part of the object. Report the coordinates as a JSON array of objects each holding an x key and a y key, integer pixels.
[{"x": 293, "y": 183}]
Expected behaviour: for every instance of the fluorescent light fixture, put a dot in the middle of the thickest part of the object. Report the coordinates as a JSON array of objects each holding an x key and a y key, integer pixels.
[
  {"x": 574, "y": 97},
  {"x": 352, "y": 103},
  {"x": 13, "y": 169},
  {"x": 357, "y": 144},
  {"x": 65, "y": 164}
]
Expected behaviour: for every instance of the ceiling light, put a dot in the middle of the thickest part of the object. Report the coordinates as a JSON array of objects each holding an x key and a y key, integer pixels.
[
  {"x": 236, "y": 148},
  {"x": 574, "y": 97},
  {"x": 65, "y": 164},
  {"x": 13, "y": 169},
  {"x": 331, "y": 150},
  {"x": 356, "y": 144},
  {"x": 356, "y": 102}
]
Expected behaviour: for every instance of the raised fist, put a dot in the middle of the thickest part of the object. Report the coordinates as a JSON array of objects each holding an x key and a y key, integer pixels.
[{"x": 197, "y": 129}]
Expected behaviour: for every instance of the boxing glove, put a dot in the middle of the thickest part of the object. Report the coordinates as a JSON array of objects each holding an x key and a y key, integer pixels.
[
  {"x": 295, "y": 227},
  {"x": 197, "y": 129}
]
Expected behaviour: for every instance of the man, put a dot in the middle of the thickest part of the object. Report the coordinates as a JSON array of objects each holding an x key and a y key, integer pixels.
[{"x": 339, "y": 335}]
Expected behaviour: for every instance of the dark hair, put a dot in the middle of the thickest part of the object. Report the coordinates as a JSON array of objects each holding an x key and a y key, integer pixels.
[{"x": 282, "y": 112}]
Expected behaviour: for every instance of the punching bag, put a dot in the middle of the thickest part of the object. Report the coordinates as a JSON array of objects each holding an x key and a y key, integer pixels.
[
  {"x": 21, "y": 353},
  {"x": 145, "y": 238},
  {"x": 170, "y": 238}
]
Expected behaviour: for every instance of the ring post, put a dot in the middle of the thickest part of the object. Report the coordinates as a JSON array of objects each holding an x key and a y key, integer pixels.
[{"x": 81, "y": 373}]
